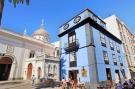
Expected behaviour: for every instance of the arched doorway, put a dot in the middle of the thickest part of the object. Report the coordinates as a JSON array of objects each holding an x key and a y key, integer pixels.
[
  {"x": 39, "y": 72},
  {"x": 29, "y": 71},
  {"x": 5, "y": 67}
]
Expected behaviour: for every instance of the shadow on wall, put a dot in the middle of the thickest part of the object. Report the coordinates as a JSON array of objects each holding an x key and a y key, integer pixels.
[{"x": 62, "y": 69}]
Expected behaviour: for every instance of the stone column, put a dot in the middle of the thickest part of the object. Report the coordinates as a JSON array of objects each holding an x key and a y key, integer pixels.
[{"x": 12, "y": 71}]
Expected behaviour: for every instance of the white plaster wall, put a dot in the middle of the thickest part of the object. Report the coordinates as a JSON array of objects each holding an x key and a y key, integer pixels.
[
  {"x": 18, "y": 57},
  {"x": 2, "y": 48},
  {"x": 21, "y": 55},
  {"x": 112, "y": 26}
]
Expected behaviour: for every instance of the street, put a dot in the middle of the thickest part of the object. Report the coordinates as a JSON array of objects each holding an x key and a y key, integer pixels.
[{"x": 20, "y": 85}]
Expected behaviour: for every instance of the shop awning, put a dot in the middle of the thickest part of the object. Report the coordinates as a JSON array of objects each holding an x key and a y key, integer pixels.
[{"x": 132, "y": 69}]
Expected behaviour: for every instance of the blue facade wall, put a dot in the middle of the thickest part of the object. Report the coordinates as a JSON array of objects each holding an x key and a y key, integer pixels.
[
  {"x": 82, "y": 57},
  {"x": 100, "y": 59}
]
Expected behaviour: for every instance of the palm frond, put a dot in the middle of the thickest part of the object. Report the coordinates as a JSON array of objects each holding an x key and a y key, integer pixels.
[{"x": 15, "y": 2}]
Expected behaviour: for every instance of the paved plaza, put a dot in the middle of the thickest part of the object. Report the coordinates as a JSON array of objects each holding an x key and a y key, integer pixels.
[{"x": 20, "y": 85}]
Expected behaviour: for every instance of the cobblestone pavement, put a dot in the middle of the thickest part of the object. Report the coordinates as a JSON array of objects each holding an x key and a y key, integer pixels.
[{"x": 19, "y": 85}]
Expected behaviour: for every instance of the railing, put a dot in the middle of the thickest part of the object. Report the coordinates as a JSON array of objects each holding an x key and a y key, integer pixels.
[{"x": 70, "y": 47}]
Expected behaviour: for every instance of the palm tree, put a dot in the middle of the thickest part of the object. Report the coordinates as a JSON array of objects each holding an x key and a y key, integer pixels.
[{"x": 15, "y": 2}]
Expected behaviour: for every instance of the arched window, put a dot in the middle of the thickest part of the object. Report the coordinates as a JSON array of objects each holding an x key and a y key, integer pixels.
[
  {"x": 32, "y": 54},
  {"x": 49, "y": 69},
  {"x": 54, "y": 70},
  {"x": 58, "y": 53}
]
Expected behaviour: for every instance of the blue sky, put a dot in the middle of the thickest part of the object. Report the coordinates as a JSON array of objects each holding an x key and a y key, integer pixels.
[{"x": 57, "y": 12}]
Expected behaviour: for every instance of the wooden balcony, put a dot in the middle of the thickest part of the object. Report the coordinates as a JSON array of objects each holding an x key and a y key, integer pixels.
[{"x": 70, "y": 47}]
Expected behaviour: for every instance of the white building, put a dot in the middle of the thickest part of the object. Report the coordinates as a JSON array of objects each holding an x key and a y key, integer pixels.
[
  {"x": 22, "y": 56},
  {"x": 118, "y": 28}
]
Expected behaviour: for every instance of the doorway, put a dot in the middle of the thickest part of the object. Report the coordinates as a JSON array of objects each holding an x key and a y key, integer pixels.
[
  {"x": 73, "y": 75},
  {"x": 39, "y": 72},
  {"x": 29, "y": 72},
  {"x": 117, "y": 76},
  {"x": 109, "y": 76},
  {"x": 5, "y": 67}
]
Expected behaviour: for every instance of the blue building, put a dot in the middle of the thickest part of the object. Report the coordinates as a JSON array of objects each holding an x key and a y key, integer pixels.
[{"x": 91, "y": 54}]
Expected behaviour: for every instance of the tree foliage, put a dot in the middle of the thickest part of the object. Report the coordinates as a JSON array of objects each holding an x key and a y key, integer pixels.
[{"x": 15, "y": 2}]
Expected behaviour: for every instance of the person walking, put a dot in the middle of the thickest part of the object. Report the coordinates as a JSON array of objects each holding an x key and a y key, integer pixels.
[
  {"x": 33, "y": 80},
  {"x": 119, "y": 85},
  {"x": 63, "y": 83},
  {"x": 130, "y": 85},
  {"x": 125, "y": 85},
  {"x": 133, "y": 83}
]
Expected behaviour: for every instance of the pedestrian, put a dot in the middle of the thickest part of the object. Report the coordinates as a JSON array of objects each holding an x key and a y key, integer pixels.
[
  {"x": 130, "y": 85},
  {"x": 119, "y": 85},
  {"x": 63, "y": 83},
  {"x": 134, "y": 83},
  {"x": 33, "y": 80},
  {"x": 125, "y": 85}
]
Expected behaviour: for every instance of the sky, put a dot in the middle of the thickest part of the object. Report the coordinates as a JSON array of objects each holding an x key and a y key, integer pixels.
[{"x": 57, "y": 12}]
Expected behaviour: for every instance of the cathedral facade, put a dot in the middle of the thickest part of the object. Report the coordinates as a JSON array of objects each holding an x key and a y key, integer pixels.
[{"x": 22, "y": 56}]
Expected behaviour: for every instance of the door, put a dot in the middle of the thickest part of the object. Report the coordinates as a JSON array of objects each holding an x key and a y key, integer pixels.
[
  {"x": 117, "y": 76},
  {"x": 29, "y": 71},
  {"x": 5, "y": 67},
  {"x": 39, "y": 72},
  {"x": 73, "y": 75},
  {"x": 109, "y": 76}
]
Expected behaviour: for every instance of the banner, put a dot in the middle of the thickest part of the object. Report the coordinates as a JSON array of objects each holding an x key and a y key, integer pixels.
[{"x": 84, "y": 72}]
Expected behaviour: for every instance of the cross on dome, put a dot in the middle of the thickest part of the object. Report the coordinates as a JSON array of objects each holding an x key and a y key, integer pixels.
[{"x": 42, "y": 22}]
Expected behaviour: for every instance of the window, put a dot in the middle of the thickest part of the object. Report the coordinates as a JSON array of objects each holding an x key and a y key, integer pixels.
[
  {"x": 105, "y": 55},
  {"x": 32, "y": 54},
  {"x": 118, "y": 48},
  {"x": 73, "y": 62},
  {"x": 2, "y": 54},
  {"x": 108, "y": 73},
  {"x": 72, "y": 37},
  {"x": 49, "y": 69},
  {"x": 111, "y": 45},
  {"x": 102, "y": 38},
  {"x": 54, "y": 70},
  {"x": 114, "y": 59},
  {"x": 58, "y": 53},
  {"x": 121, "y": 62},
  {"x": 117, "y": 75}
]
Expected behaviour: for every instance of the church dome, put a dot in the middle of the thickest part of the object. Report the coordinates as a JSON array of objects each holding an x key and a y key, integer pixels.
[
  {"x": 41, "y": 31},
  {"x": 41, "y": 34}
]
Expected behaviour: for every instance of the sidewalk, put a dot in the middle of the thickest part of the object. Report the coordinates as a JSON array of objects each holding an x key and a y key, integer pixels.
[
  {"x": 20, "y": 84},
  {"x": 13, "y": 84},
  {"x": 51, "y": 88}
]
